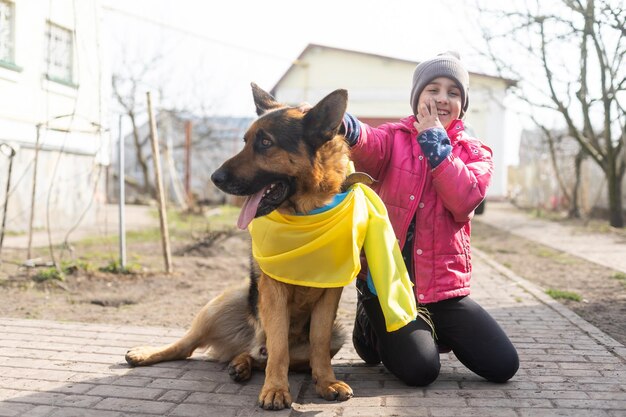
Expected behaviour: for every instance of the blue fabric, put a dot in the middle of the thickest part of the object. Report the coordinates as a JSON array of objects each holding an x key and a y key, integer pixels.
[
  {"x": 351, "y": 129},
  {"x": 435, "y": 145},
  {"x": 370, "y": 284},
  {"x": 337, "y": 199}
]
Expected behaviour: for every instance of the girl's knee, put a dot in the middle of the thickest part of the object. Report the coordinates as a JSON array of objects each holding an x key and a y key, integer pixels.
[
  {"x": 420, "y": 376},
  {"x": 417, "y": 371},
  {"x": 506, "y": 368},
  {"x": 411, "y": 354}
]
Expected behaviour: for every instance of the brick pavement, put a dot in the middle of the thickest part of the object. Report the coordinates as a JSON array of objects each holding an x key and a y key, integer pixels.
[{"x": 568, "y": 368}]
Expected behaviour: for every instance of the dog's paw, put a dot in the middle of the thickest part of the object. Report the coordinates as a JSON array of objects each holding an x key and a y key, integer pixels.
[
  {"x": 140, "y": 356},
  {"x": 334, "y": 390},
  {"x": 274, "y": 398},
  {"x": 240, "y": 368}
]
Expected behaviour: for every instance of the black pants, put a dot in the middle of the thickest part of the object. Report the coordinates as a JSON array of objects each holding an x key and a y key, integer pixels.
[{"x": 412, "y": 354}]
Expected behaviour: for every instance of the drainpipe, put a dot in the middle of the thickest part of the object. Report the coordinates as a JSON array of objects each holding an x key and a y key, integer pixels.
[
  {"x": 122, "y": 197},
  {"x": 9, "y": 152},
  {"x": 33, "y": 193}
]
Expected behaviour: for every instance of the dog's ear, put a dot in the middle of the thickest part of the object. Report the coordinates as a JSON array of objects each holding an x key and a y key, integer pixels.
[
  {"x": 322, "y": 122},
  {"x": 263, "y": 100}
]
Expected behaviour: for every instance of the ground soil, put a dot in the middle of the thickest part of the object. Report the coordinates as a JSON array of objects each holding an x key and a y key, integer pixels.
[
  {"x": 202, "y": 268},
  {"x": 206, "y": 263}
]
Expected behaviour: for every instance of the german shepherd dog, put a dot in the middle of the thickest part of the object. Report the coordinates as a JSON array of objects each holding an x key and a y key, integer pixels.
[{"x": 293, "y": 162}]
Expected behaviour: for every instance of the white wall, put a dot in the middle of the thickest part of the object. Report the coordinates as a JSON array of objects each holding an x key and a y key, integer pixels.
[
  {"x": 73, "y": 119},
  {"x": 487, "y": 116}
]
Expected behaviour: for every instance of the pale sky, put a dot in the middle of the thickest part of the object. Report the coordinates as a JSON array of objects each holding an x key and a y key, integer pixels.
[{"x": 226, "y": 44}]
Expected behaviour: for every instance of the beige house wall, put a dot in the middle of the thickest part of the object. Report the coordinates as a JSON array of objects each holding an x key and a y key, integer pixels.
[{"x": 379, "y": 88}]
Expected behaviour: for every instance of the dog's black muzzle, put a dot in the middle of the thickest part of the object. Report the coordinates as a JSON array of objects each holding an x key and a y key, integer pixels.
[{"x": 220, "y": 178}]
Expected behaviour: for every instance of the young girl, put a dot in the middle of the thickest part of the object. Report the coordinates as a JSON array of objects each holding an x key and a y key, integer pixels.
[{"x": 431, "y": 176}]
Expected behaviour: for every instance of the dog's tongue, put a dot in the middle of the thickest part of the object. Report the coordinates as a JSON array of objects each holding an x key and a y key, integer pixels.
[{"x": 248, "y": 211}]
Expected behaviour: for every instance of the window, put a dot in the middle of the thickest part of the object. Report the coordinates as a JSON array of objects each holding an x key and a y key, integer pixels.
[
  {"x": 59, "y": 54},
  {"x": 7, "y": 32}
]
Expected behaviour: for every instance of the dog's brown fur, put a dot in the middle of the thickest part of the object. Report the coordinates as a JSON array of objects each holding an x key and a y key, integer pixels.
[{"x": 291, "y": 327}]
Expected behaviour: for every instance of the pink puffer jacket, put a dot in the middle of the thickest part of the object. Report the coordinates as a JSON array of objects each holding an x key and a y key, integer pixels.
[{"x": 442, "y": 200}]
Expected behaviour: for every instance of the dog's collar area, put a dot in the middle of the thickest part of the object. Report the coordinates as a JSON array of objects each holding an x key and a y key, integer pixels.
[
  {"x": 356, "y": 177},
  {"x": 337, "y": 199},
  {"x": 351, "y": 179}
]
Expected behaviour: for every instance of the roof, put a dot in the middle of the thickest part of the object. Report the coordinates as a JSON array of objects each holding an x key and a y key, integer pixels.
[{"x": 509, "y": 82}]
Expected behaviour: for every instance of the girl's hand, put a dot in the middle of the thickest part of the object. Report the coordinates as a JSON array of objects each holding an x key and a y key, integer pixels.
[{"x": 427, "y": 116}]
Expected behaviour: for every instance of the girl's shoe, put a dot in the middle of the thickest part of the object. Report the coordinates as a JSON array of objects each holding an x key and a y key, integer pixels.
[{"x": 363, "y": 337}]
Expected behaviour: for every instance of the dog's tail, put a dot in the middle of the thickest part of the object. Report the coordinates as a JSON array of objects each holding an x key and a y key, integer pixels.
[
  {"x": 222, "y": 326},
  {"x": 225, "y": 325}
]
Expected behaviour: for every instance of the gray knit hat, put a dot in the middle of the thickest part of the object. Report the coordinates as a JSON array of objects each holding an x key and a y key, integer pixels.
[{"x": 447, "y": 65}]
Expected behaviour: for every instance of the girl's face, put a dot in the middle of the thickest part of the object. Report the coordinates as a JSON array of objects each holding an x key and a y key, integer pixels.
[{"x": 447, "y": 96}]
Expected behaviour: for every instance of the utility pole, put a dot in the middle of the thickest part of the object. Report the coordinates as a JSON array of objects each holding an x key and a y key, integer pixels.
[
  {"x": 122, "y": 198},
  {"x": 188, "y": 161}
]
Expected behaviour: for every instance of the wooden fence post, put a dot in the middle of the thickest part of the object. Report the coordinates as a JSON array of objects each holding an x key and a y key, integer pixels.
[{"x": 156, "y": 157}]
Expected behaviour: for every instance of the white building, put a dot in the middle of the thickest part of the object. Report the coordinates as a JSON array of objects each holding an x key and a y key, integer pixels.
[
  {"x": 379, "y": 90},
  {"x": 54, "y": 94}
]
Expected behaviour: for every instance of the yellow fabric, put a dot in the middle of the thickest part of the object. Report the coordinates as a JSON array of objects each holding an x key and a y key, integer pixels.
[{"x": 322, "y": 250}]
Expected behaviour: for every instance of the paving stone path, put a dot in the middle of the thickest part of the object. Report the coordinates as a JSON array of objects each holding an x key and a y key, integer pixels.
[{"x": 568, "y": 368}]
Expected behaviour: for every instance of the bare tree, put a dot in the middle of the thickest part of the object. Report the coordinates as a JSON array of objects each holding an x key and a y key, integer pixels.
[
  {"x": 127, "y": 90},
  {"x": 569, "y": 56},
  {"x": 555, "y": 141}
]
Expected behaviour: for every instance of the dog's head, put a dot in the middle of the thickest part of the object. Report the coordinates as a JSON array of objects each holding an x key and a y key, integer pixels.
[{"x": 292, "y": 161}]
